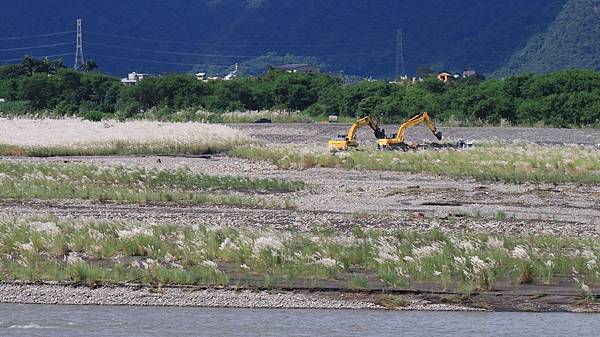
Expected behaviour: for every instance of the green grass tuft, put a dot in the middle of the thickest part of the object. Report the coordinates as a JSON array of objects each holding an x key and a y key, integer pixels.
[
  {"x": 120, "y": 184},
  {"x": 508, "y": 163}
]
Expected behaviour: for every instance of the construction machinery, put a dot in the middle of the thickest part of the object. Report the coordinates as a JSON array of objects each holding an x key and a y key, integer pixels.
[
  {"x": 344, "y": 142},
  {"x": 396, "y": 141}
]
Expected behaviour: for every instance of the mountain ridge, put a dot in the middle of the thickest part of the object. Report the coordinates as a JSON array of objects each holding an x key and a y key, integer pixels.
[
  {"x": 571, "y": 41},
  {"x": 353, "y": 36}
]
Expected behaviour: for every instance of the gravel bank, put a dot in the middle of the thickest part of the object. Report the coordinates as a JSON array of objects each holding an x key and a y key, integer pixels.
[
  {"x": 337, "y": 196},
  {"x": 285, "y": 219},
  {"x": 194, "y": 297},
  {"x": 319, "y": 133}
]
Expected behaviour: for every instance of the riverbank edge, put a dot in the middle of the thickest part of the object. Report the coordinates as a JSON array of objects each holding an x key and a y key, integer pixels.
[
  {"x": 58, "y": 293},
  {"x": 189, "y": 296}
]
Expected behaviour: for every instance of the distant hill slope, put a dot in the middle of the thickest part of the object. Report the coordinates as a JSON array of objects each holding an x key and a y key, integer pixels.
[
  {"x": 353, "y": 36},
  {"x": 572, "y": 41}
]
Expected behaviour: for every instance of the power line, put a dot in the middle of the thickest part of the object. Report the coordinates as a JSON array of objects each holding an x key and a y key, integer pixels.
[
  {"x": 232, "y": 43},
  {"x": 383, "y": 52},
  {"x": 143, "y": 60},
  {"x": 39, "y": 46},
  {"x": 196, "y": 64},
  {"x": 46, "y": 56},
  {"x": 34, "y": 36},
  {"x": 170, "y": 52},
  {"x": 160, "y": 62},
  {"x": 219, "y": 55}
]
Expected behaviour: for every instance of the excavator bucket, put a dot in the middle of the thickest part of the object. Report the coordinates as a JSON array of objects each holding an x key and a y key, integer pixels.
[
  {"x": 379, "y": 133},
  {"x": 438, "y": 135}
]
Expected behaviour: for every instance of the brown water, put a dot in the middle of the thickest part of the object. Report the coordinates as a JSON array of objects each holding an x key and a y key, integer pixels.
[{"x": 61, "y": 320}]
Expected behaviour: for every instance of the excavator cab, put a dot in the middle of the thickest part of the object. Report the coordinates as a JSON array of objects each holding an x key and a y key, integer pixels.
[
  {"x": 397, "y": 140},
  {"x": 344, "y": 142}
]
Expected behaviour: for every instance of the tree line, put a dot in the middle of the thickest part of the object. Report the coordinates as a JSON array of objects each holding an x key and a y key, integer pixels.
[{"x": 569, "y": 98}]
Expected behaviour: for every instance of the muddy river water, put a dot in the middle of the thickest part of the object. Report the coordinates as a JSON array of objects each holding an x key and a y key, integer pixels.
[{"x": 61, "y": 320}]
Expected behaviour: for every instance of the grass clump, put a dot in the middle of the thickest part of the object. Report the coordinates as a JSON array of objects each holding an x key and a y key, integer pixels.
[
  {"x": 507, "y": 163},
  {"x": 359, "y": 282},
  {"x": 392, "y": 301},
  {"x": 501, "y": 215},
  {"x": 121, "y": 184}
]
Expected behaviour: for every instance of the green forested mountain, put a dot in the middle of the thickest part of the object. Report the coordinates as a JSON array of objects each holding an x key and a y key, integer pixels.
[
  {"x": 351, "y": 36},
  {"x": 572, "y": 41}
]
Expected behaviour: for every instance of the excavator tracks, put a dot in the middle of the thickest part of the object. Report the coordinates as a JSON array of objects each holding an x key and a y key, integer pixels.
[{"x": 426, "y": 146}]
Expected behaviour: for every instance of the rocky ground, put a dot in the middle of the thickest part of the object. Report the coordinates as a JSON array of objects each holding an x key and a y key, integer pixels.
[
  {"x": 49, "y": 293},
  {"x": 321, "y": 132},
  {"x": 333, "y": 197},
  {"x": 504, "y": 298},
  {"x": 171, "y": 296},
  {"x": 346, "y": 198}
]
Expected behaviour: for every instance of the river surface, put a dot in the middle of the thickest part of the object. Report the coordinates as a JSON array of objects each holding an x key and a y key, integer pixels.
[{"x": 64, "y": 320}]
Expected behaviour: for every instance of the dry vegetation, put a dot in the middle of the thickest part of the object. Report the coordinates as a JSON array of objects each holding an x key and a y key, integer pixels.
[{"x": 52, "y": 137}]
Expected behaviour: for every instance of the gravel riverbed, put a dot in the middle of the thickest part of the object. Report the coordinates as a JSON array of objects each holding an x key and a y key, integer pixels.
[
  {"x": 196, "y": 297},
  {"x": 334, "y": 197},
  {"x": 319, "y": 133},
  {"x": 351, "y": 197}
]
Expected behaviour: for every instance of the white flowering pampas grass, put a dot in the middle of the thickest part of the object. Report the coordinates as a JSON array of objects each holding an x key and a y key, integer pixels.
[
  {"x": 52, "y": 137},
  {"x": 80, "y": 250}
]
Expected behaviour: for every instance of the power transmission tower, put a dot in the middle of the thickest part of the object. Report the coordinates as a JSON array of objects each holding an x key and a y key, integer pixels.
[
  {"x": 400, "y": 53},
  {"x": 79, "y": 49}
]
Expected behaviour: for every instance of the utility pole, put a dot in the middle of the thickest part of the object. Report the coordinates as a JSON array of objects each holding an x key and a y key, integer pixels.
[
  {"x": 400, "y": 53},
  {"x": 79, "y": 48}
]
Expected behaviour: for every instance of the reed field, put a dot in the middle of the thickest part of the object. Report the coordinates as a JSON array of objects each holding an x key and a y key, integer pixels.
[
  {"x": 74, "y": 137},
  {"x": 84, "y": 251}
]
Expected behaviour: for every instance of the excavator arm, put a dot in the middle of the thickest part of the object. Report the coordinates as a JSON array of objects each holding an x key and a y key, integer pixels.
[
  {"x": 362, "y": 122},
  {"x": 398, "y": 138},
  {"x": 343, "y": 142}
]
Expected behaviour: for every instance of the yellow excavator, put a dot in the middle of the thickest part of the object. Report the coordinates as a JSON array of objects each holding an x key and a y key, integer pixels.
[
  {"x": 344, "y": 142},
  {"x": 397, "y": 140}
]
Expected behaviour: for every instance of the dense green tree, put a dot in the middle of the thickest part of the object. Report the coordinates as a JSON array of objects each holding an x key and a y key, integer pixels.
[
  {"x": 564, "y": 99},
  {"x": 89, "y": 66}
]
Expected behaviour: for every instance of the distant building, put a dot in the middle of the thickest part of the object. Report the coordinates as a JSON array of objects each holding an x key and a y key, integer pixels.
[
  {"x": 233, "y": 74},
  {"x": 2, "y": 100},
  {"x": 470, "y": 73},
  {"x": 301, "y": 68},
  {"x": 133, "y": 78},
  {"x": 201, "y": 76},
  {"x": 444, "y": 76}
]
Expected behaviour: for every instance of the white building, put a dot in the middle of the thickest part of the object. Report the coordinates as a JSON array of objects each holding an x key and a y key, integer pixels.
[
  {"x": 233, "y": 74},
  {"x": 133, "y": 78},
  {"x": 302, "y": 68}
]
